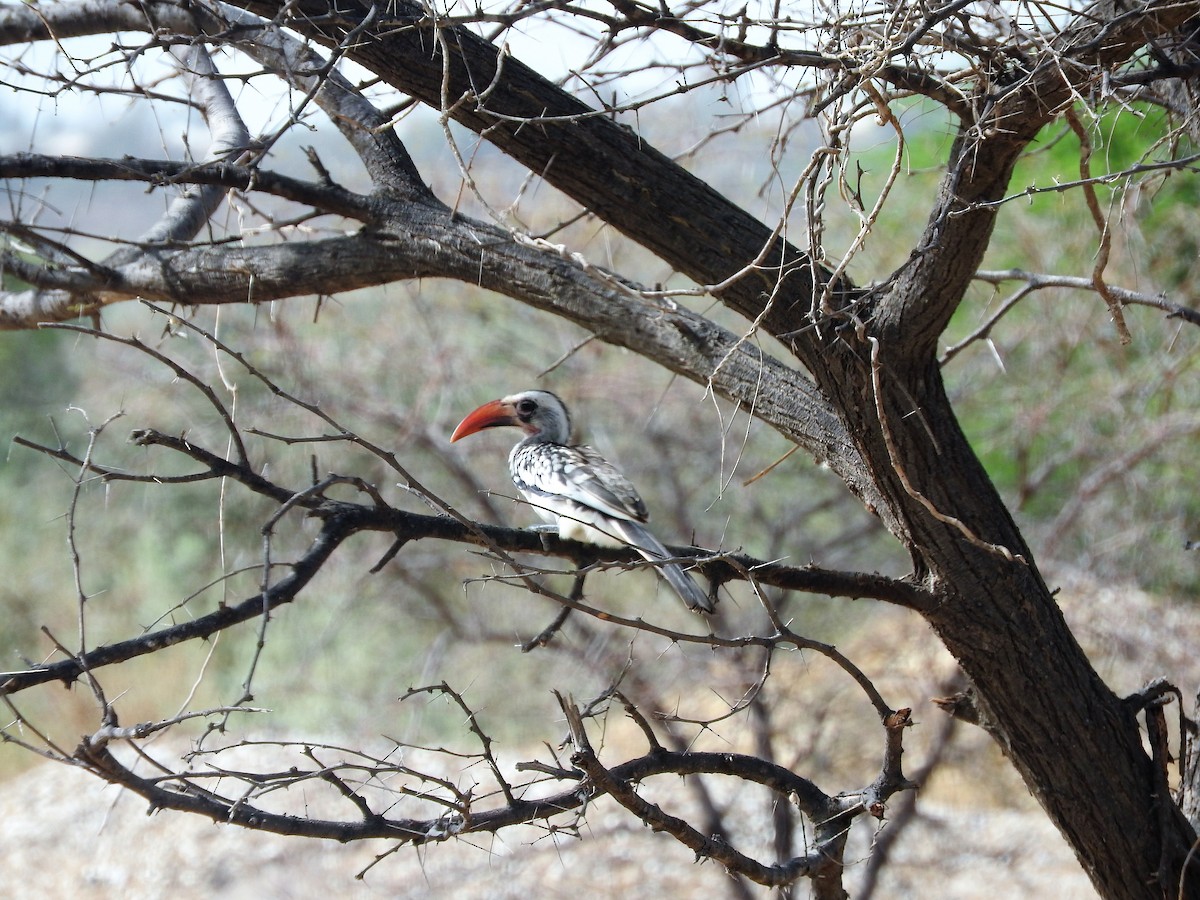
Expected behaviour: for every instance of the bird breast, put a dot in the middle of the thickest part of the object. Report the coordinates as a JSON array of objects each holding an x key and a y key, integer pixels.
[{"x": 576, "y": 488}]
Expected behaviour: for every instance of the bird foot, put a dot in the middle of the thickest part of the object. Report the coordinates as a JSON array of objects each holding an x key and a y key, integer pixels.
[{"x": 545, "y": 531}]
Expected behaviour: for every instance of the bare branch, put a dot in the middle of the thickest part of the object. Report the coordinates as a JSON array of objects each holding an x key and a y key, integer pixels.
[{"x": 190, "y": 211}]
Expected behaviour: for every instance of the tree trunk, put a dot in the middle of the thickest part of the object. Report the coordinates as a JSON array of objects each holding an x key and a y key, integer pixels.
[{"x": 1076, "y": 744}]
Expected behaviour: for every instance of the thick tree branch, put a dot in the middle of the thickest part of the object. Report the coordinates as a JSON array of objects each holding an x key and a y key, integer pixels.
[{"x": 611, "y": 170}]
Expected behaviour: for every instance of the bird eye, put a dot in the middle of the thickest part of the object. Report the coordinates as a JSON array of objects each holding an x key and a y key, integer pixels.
[{"x": 526, "y": 408}]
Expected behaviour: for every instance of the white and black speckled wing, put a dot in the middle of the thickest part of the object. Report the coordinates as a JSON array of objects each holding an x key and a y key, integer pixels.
[{"x": 578, "y": 475}]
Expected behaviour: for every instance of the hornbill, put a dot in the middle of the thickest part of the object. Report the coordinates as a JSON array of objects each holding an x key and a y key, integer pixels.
[{"x": 574, "y": 487}]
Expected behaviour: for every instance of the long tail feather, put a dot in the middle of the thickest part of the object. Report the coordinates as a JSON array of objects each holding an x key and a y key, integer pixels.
[{"x": 652, "y": 549}]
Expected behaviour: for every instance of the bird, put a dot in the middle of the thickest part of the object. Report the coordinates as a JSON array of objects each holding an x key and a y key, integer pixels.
[{"x": 574, "y": 487}]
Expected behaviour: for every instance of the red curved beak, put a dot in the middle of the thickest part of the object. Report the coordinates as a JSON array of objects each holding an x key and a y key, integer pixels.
[{"x": 491, "y": 415}]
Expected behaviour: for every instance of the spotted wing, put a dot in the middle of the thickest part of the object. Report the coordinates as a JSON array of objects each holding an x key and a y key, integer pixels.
[{"x": 579, "y": 475}]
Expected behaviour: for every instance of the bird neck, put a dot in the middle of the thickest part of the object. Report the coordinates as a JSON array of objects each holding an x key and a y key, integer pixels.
[{"x": 533, "y": 440}]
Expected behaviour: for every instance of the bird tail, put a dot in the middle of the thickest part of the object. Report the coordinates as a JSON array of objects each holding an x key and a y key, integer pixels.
[{"x": 652, "y": 549}]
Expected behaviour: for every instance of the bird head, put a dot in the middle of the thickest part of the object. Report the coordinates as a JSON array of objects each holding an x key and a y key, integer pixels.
[{"x": 540, "y": 414}]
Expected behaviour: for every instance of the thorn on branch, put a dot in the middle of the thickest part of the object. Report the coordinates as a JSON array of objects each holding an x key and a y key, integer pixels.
[
  {"x": 542, "y": 638},
  {"x": 485, "y": 740},
  {"x": 389, "y": 554},
  {"x": 959, "y": 706},
  {"x": 314, "y": 160}
]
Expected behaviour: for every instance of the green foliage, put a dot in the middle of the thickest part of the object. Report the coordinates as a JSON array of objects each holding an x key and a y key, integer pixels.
[
  {"x": 1060, "y": 410},
  {"x": 1052, "y": 401},
  {"x": 38, "y": 382}
]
